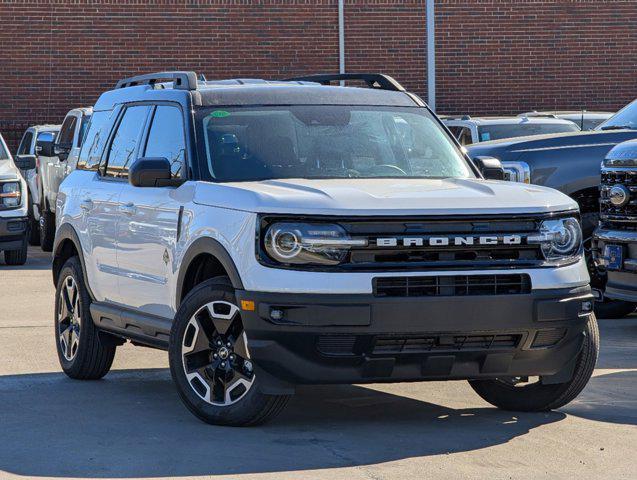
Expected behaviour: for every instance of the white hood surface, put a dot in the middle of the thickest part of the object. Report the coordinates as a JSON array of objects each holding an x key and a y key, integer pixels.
[
  {"x": 386, "y": 196},
  {"x": 8, "y": 170}
]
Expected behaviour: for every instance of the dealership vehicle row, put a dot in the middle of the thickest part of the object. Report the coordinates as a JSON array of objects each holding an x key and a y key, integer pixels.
[{"x": 306, "y": 233}]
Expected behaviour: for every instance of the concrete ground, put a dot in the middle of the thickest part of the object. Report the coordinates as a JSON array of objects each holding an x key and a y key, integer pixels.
[{"x": 132, "y": 423}]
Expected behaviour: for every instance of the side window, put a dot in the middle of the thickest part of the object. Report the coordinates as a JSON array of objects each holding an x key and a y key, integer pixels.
[
  {"x": 86, "y": 120},
  {"x": 67, "y": 131},
  {"x": 25, "y": 143},
  {"x": 166, "y": 138},
  {"x": 123, "y": 148},
  {"x": 95, "y": 140}
]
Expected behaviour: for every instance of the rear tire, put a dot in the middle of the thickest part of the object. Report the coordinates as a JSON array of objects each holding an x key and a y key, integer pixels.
[
  {"x": 209, "y": 360},
  {"x": 34, "y": 228},
  {"x": 84, "y": 352},
  {"x": 537, "y": 397},
  {"x": 17, "y": 257},
  {"x": 47, "y": 230}
]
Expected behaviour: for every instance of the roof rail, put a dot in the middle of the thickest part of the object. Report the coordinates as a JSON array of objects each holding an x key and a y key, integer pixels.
[
  {"x": 373, "y": 80},
  {"x": 181, "y": 80}
]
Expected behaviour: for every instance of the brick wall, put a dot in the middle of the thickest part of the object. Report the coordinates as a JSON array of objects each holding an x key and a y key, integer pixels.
[{"x": 492, "y": 56}]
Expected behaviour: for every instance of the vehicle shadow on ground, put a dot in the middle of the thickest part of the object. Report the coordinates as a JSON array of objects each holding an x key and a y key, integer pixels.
[{"x": 132, "y": 424}]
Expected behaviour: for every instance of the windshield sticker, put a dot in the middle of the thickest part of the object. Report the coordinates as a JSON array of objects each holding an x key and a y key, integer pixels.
[
  {"x": 219, "y": 114},
  {"x": 486, "y": 136}
]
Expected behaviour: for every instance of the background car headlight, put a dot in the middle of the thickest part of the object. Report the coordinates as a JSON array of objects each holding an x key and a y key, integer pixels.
[
  {"x": 308, "y": 243},
  {"x": 559, "y": 238},
  {"x": 517, "y": 172},
  {"x": 10, "y": 195}
]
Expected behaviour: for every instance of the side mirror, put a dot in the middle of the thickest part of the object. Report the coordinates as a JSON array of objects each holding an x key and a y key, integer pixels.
[
  {"x": 62, "y": 151},
  {"x": 45, "y": 148},
  {"x": 490, "y": 167},
  {"x": 151, "y": 172},
  {"x": 24, "y": 162}
]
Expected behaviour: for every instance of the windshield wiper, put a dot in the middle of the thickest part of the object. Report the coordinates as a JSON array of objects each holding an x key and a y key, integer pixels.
[{"x": 617, "y": 127}]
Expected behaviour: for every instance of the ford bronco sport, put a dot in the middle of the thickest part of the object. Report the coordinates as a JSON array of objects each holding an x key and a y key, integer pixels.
[{"x": 275, "y": 233}]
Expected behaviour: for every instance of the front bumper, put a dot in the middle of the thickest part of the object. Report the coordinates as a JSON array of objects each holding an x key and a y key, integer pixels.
[
  {"x": 323, "y": 339},
  {"x": 621, "y": 284},
  {"x": 12, "y": 232}
]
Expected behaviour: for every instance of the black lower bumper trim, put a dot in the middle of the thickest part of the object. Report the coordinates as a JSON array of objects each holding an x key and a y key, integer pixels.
[
  {"x": 360, "y": 338},
  {"x": 12, "y": 232}
]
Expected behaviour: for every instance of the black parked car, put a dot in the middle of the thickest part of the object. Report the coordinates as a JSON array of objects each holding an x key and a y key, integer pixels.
[{"x": 569, "y": 162}]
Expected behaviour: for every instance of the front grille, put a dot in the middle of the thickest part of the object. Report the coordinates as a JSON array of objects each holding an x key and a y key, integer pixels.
[
  {"x": 626, "y": 215},
  {"x": 548, "y": 337},
  {"x": 455, "y": 342},
  {"x": 336, "y": 344},
  {"x": 454, "y": 285}
]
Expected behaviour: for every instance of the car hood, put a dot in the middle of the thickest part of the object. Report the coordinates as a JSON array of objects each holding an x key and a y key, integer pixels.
[
  {"x": 511, "y": 148},
  {"x": 8, "y": 170},
  {"x": 393, "y": 196}
]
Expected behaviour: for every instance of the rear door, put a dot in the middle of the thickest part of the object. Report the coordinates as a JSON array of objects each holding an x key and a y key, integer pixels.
[{"x": 147, "y": 231}]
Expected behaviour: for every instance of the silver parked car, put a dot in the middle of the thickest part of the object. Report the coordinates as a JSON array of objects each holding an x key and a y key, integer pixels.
[
  {"x": 586, "y": 120},
  {"x": 470, "y": 130}
]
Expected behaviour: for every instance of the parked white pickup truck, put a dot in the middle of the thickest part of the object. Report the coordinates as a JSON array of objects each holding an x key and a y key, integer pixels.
[
  {"x": 58, "y": 158},
  {"x": 14, "y": 227},
  {"x": 27, "y": 146}
]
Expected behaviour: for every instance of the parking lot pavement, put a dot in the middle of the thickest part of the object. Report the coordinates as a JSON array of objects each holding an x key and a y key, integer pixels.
[{"x": 132, "y": 423}]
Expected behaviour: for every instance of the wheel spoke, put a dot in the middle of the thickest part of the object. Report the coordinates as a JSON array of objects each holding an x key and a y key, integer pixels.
[
  {"x": 196, "y": 360},
  {"x": 69, "y": 288},
  {"x": 223, "y": 315}
]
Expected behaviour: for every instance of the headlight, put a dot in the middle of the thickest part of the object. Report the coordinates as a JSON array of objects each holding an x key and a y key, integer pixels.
[
  {"x": 308, "y": 243},
  {"x": 517, "y": 172},
  {"x": 10, "y": 195},
  {"x": 559, "y": 239}
]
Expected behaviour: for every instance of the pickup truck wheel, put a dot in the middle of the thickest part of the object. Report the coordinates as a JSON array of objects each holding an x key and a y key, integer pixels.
[
  {"x": 518, "y": 394},
  {"x": 47, "y": 230},
  {"x": 210, "y": 361},
  {"x": 607, "y": 308},
  {"x": 17, "y": 257},
  {"x": 83, "y": 352},
  {"x": 34, "y": 228}
]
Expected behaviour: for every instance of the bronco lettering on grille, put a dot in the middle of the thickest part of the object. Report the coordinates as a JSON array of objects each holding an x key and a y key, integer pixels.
[{"x": 449, "y": 241}]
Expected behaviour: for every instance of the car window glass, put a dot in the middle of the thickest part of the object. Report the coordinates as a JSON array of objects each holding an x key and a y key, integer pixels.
[
  {"x": 95, "y": 140},
  {"x": 25, "y": 144},
  {"x": 166, "y": 138},
  {"x": 123, "y": 147},
  {"x": 86, "y": 120},
  {"x": 496, "y": 132},
  {"x": 67, "y": 131}
]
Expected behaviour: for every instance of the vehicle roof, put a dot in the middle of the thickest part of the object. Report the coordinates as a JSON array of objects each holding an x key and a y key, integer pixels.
[
  {"x": 507, "y": 120},
  {"x": 82, "y": 110},
  {"x": 227, "y": 93},
  {"x": 579, "y": 113},
  {"x": 45, "y": 128}
]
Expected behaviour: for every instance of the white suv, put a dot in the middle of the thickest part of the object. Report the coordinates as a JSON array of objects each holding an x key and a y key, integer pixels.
[{"x": 269, "y": 234}]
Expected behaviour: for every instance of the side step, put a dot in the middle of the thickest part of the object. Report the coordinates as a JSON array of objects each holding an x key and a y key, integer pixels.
[{"x": 147, "y": 329}]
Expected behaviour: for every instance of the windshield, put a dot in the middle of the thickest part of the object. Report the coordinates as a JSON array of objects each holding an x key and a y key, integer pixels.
[
  {"x": 625, "y": 118},
  {"x": 496, "y": 132},
  {"x": 261, "y": 143}
]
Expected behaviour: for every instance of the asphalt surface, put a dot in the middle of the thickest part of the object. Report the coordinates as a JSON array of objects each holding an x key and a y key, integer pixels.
[{"x": 132, "y": 423}]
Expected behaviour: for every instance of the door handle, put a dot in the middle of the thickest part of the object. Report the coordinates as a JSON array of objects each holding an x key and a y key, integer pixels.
[
  {"x": 86, "y": 204},
  {"x": 128, "y": 209}
]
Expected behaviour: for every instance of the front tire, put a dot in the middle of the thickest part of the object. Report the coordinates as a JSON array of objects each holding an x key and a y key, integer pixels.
[
  {"x": 34, "y": 228},
  {"x": 537, "y": 397},
  {"x": 210, "y": 361},
  {"x": 84, "y": 353},
  {"x": 17, "y": 257},
  {"x": 47, "y": 230}
]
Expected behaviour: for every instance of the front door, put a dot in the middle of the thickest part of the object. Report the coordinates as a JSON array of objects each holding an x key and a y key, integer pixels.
[{"x": 148, "y": 227}]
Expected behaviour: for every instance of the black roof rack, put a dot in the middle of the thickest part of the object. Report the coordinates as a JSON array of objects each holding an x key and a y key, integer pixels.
[
  {"x": 373, "y": 80},
  {"x": 181, "y": 80}
]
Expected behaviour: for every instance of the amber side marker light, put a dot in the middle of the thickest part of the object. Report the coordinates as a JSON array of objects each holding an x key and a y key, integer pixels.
[{"x": 247, "y": 305}]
